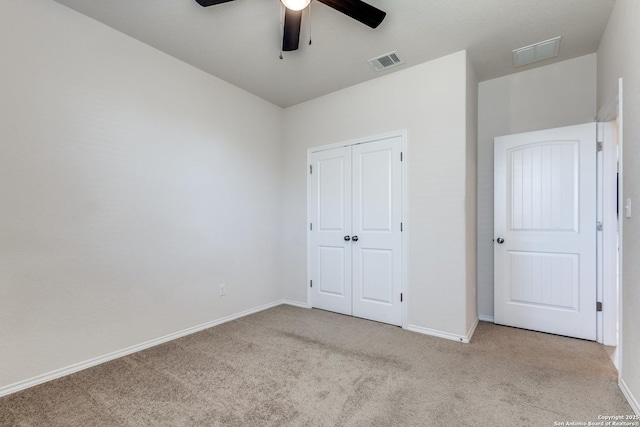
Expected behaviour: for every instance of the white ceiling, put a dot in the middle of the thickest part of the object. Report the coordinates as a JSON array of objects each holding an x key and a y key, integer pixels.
[{"x": 240, "y": 41}]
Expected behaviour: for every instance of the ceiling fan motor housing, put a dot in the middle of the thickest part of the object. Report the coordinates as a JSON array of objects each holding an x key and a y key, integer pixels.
[{"x": 356, "y": 9}]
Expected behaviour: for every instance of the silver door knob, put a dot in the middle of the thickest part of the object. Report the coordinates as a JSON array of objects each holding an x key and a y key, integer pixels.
[
  {"x": 354, "y": 238},
  {"x": 500, "y": 240},
  {"x": 347, "y": 238}
]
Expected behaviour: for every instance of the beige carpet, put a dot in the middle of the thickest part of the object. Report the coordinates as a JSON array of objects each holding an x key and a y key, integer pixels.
[{"x": 296, "y": 367}]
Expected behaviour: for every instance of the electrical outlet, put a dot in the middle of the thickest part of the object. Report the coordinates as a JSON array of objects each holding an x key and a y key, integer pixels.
[{"x": 222, "y": 290}]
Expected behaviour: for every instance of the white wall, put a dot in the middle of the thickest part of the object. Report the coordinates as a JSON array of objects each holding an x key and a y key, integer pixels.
[
  {"x": 555, "y": 95},
  {"x": 471, "y": 200},
  {"x": 618, "y": 56},
  {"x": 429, "y": 100},
  {"x": 127, "y": 192}
]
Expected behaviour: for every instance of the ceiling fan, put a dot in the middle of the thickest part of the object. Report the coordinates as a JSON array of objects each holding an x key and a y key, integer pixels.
[{"x": 356, "y": 9}]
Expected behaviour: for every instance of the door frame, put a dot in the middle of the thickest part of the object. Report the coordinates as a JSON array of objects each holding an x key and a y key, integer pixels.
[
  {"x": 606, "y": 319},
  {"x": 612, "y": 110},
  {"x": 402, "y": 134}
]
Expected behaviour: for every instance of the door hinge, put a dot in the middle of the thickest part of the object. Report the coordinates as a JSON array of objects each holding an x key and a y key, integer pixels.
[
  {"x": 599, "y": 226},
  {"x": 400, "y": 296},
  {"x": 310, "y": 226},
  {"x": 401, "y": 156},
  {"x": 310, "y": 169},
  {"x": 598, "y": 306},
  {"x": 311, "y": 283},
  {"x": 598, "y": 146},
  {"x": 400, "y": 226}
]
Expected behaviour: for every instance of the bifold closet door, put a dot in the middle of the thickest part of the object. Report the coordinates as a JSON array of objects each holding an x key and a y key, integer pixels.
[{"x": 355, "y": 250}]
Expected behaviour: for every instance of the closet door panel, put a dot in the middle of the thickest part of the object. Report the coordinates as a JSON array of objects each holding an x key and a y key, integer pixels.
[
  {"x": 376, "y": 221},
  {"x": 330, "y": 221}
]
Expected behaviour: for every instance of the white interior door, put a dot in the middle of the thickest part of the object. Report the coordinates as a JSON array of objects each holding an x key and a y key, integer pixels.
[
  {"x": 355, "y": 240},
  {"x": 330, "y": 212},
  {"x": 545, "y": 231},
  {"x": 377, "y": 215}
]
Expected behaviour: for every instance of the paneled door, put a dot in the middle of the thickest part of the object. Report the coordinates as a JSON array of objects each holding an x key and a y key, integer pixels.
[
  {"x": 377, "y": 213},
  {"x": 330, "y": 229},
  {"x": 355, "y": 230},
  {"x": 545, "y": 231}
]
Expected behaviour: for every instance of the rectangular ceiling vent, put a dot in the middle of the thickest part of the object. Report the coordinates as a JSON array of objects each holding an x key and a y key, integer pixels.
[
  {"x": 385, "y": 61},
  {"x": 536, "y": 52}
]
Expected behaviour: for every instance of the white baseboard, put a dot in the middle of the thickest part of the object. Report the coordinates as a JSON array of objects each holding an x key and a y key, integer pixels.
[
  {"x": 21, "y": 385},
  {"x": 633, "y": 402},
  {"x": 295, "y": 303},
  {"x": 442, "y": 334},
  {"x": 484, "y": 318}
]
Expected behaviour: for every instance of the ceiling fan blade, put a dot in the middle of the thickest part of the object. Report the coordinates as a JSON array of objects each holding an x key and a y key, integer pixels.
[
  {"x": 291, "y": 37},
  {"x": 205, "y": 3},
  {"x": 358, "y": 10}
]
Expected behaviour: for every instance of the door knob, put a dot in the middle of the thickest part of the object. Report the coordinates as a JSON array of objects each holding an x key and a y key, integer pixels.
[
  {"x": 347, "y": 238},
  {"x": 355, "y": 238},
  {"x": 500, "y": 240}
]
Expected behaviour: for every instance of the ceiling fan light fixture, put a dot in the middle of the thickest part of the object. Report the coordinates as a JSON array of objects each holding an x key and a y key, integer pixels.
[{"x": 295, "y": 4}]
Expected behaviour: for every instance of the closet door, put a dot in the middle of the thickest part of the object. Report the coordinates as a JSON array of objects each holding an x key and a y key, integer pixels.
[
  {"x": 330, "y": 223},
  {"x": 355, "y": 240},
  {"x": 376, "y": 233}
]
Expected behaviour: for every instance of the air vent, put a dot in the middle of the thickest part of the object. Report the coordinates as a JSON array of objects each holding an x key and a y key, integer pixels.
[
  {"x": 385, "y": 61},
  {"x": 536, "y": 52}
]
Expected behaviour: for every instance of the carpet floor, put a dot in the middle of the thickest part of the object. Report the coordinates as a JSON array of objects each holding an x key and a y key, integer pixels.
[{"x": 288, "y": 366}]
